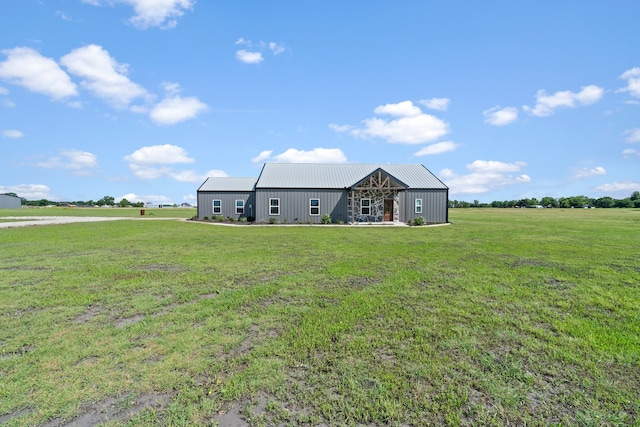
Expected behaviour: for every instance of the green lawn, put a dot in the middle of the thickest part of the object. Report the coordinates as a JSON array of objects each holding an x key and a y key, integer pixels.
[
  {"x": 505, "y": 317},
  {"x": 120, "y": 212}
]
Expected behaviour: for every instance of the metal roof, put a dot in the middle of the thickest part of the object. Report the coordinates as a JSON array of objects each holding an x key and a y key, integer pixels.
[
  {"x": 230, "y": 184},
  {"x": 342, "y": 175}
]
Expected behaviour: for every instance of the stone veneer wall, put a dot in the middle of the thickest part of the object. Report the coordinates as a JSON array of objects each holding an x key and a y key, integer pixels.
[{"x": 377, "y": 198}]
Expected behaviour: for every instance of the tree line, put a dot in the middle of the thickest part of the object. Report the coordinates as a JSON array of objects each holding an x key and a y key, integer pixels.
[
  {"x": 632, "y": 201},
  {"x": 105, "y": 201}
]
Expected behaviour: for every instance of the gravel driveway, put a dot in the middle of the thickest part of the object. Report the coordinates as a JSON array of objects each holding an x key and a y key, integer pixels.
[{"x": 24, "y": 221}]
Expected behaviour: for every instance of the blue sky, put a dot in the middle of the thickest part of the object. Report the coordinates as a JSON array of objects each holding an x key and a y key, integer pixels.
[{"x": 143, "y": 99}]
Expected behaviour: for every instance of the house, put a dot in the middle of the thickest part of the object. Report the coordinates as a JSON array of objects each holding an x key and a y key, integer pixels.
[
  {"x": 8, "y": 201},
  {"x": 350, "y": 193}
]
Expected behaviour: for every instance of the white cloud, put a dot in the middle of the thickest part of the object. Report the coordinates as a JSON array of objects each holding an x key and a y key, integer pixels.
[
  {"x": 104, "y": 77},
  {"x": 4, "y": 91},
  {"x": 276, "y": 48},
  {"x": 12, "y": 134},
  {"x": 411, "y": 127},
  {"x": 80, "y": 162},
  {"x": 28, "y": 68},
  {"x": 264, "y": 155},
  {"x": 28, "y": 191},
  {"x": 177, "y": 109},
  {"x": 632, "y": 135},
  {"x": 249, "y": 57},
  {"x": 439, "y": 104},
  {"x": 152, "y": 13},
  {"x": 619, "y": 187},
  {"x": 629, "y": 152},
  {"x": 547, "y": 104},
  {"x": 253, "y": 54},
  {"x": 485, "y": 176},
  {"x": 633, "y": 81},
  {"x": 340, "y": 128},
  {"x": 401, "y": 109},
  {"x": 437, "y": 148},
  {"x": 499, "y": 116},
  {"x": 587, "y": 172},
  {"x": 159, "y": 155},
  {"x": 317, "y": 155},
  {"x": 192, "y": 176}
]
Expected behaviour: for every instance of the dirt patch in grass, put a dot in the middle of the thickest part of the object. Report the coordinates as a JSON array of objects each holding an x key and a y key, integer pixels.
[
  {"x": 114, "y": 409},
  {"x": 122, "y": 322},
  {"x": 91, "y": 312},
  {"x": 16, "y": 414}
]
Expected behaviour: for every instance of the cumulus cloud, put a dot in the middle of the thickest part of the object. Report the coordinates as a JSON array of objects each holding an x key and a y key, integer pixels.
[
  {"x": 264, "y": 155},
  {"x": 619, "y": 187},
  {"x": 166, "y": 154},
  {"x": 80, "y": 162},
  {"x": 103, "y": 76},
  {"x": 28, "y": 68},
  {"x": 632, "y": 135},
  {"x": 148, "y": 199},
  {"x": 437, "y": 148},
  {"x": 498, "y": 116},
  {"x": 587, "y": 172},
  {"x": 12, "y": 134},
  {"x": 547, "y": 104},
  {"x": 407, "y": 125},
  {"x": 253, "y": 54},
  {"x": 154, "y": 162},
  {"x": 152, "y": 13},
  {"x": 439, "y": 104},
  {"x": 484, "y": 176},
  {"x": 174, "y": 108},
  {"x": 28, "y": 191},
  {"x": 632, "y": 77},
  {"x": 292, "y": 155},
  {"x": 249, "y": 57}
]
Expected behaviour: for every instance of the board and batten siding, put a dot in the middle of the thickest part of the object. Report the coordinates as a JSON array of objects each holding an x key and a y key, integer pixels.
[
  {"x": 434, "y": 205},
  {"x": 294, "y": 205},
  {"x": 228, "y": 204}
]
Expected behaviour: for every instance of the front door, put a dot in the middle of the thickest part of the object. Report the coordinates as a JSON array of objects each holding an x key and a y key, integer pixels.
[{"x": 388, "y": 210}]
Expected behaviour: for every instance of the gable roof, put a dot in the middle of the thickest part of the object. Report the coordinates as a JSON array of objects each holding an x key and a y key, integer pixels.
[
  {"x": 230, "y": 184},
  {"x": 342, "y": 175}
]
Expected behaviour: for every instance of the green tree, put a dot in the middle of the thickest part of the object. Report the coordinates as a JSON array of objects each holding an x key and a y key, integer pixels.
[
  {"x": 124, "y": 203},
  {"x": 106, "y": 200}
]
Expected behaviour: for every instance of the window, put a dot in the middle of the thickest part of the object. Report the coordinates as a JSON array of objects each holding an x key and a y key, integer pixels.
[
  {"x": 274, "y": 206},
  {"x": 217, "y": 207},
  {"x": 419, "y": 206},
  {"x": 239, "y": 207},
  {"x": 365, "y": 206},
  {"x": 314, "y": 206}
]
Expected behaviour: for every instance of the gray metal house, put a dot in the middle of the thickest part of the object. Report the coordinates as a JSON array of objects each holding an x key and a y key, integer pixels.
[
  {"x": 303, "y": 192},
  {"x": 10, "y": 202}
]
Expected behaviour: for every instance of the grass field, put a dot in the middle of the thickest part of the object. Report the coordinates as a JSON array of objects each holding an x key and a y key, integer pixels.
[{"x": 505, "y": 317}]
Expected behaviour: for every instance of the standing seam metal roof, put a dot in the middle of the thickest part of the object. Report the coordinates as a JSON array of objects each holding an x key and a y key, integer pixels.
[
  {"x": 316, "y": 175},
  {"x": 229, "y": 184}
]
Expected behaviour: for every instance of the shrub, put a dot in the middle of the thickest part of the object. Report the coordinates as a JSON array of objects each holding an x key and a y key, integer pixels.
[
  {"x": 272, "y": 220},
  {"x": 326, "y": 219},
  {"x": 418, "y": 220},
  {"x": 242, "y": 219},
  {"x": 206, "y": 218}
]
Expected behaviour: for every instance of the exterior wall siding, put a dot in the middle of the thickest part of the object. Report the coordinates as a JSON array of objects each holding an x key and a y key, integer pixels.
[
  {"x": 435, "y": 204},
  {"x": 10, "y": 202},
  {"x": 228, "y": 204},
  {"x": 294, "y": 205}
]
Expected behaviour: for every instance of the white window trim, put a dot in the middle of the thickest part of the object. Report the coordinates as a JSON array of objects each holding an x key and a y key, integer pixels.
[
  {"x": 314, "y": 207},
  {"x": 213, "y": 205},
  {"x": 365, "y": 207},
  {"x": 418, "y": 206},
  {"x": 274, "y": 206},
  {"x": 239, "y": 207}
]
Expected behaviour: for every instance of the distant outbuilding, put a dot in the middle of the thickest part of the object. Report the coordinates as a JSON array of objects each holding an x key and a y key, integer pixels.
[{"x": 8, "y": 201}]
